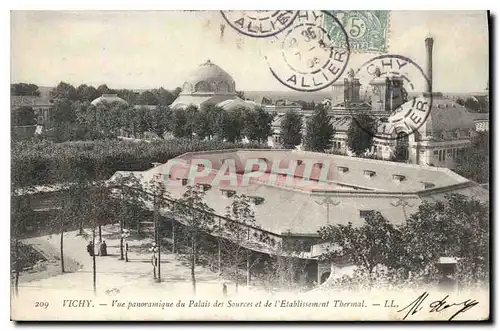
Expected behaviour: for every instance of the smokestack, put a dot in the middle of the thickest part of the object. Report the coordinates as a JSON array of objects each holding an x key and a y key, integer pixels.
[{"x": 429, "y": 42}]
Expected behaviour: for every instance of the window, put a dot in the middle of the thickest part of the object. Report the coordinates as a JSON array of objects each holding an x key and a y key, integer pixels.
[
  {"x": 184, "y": 181},
  {"x": 257, "y": 200},
  {"x": 440, "y": 155},
  {"x": 436, "y": 153},
  {"x": 427, "y": 185},
  {"x": 398, "y": 178},
  {"x": 364, "y": 213},
  {"x": 228, "y": 193},
  {"x": 369, "y": 173},
  {"x": 299, "y": 162},
  {"x": 342, "y": 169}
]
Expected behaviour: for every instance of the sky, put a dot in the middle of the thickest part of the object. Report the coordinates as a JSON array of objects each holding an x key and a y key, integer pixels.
[{"x": 149, "y": 49}]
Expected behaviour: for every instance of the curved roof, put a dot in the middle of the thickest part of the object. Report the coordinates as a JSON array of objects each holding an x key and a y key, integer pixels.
[
  {"x": 237, "y": 102},
  {"x": 209, "y": 78},
  {"x": 445, "y": 115},
  {"x": 109, "y": 98}
]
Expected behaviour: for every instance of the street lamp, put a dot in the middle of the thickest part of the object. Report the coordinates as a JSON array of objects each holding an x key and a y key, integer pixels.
[
  {"x": 154, "y": 259},
  {"x": 328, "y": 201},
  {"x": 124, "y": 235}
]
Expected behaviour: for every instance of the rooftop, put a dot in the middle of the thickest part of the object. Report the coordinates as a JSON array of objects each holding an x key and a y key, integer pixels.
[{"x": 353, "y": 187}]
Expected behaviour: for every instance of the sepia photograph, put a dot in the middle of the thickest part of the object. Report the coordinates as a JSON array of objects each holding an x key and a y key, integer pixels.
[{"x": 250, "y": 165}]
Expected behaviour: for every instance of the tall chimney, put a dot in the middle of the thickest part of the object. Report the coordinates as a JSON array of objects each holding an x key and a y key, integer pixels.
[{"x": 429, "y": 41}]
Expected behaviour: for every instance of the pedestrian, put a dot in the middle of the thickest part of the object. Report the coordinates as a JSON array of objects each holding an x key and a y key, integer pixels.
[
  {"x": 90, "y": 248},
  {"x": 126, "y": 252},
  {"x": 104, "y": 248},
  {"x": 224, "y": 289}
]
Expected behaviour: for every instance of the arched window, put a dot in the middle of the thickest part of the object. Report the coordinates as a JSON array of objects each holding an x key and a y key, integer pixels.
[
  {"x": 223, "y": 87},
  {"x": 203, "y": 87}
]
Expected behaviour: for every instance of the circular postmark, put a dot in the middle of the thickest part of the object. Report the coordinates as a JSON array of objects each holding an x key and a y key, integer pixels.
[
  {"x": 303, "y": 57},
  {"x": 392, "y": 84},
  {"x": 259, "y": 23}
]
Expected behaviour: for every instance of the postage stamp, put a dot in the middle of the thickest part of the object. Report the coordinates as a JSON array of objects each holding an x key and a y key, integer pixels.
[
  {"x": 393, "y": 82},
  {"x": 367, "y": 30},
  {"x": 260, "y": 23},
  {"x": 305, "y": 58}
]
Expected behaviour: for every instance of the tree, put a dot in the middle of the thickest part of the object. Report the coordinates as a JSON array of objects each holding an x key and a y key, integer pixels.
[
  {"x": 257, "y": 124},
  {"x": 158, "y": 194},
  {"x": 240, "y": 94},
  {"x": 86, "y": 93},
  {"x": 230, "y": 124},
  {"x": 130, "y": 196},
  {"x": 473, "y": 162},
  {"x": 24, "y": 89},
  {"x": 128, "y": 95},
  {"x": 238, "y": 230},
  {"x": 457, "y": 226},
  {"x": 157, "y": 120},
  {"x": 291, "y": 129},
  {"x": 284, "y": 267},
  {"x": 360, "y": 133},
  {"x": 471, "y": 104},
  {"x": 21, "y": 214},
  {"x": 460, "y": 101},
  {"x": 198, "y": 218},
  {"x": 22, "y": 116},
  {"x": 98, "y": 213},
  {"x": 176, "y": 92},
  {"x": 376, "y": 242},
  {"x": 64, "y": 91},
  {"x": 400, "y": 153},
  {"x": 164, "y": 97},
  {"x": 319, "y": 132},
  {"x": 63, "y": 121},
  {"x": 148, "y": 98},
  {"x": 182, "y": 124},
  {"x": 104, "y": 89}
]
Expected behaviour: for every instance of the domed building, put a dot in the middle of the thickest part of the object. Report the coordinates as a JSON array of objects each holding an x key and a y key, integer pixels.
[
  {"x": 109, "y": 98},
  {"x": 209, "y": 84},
  {"x": 445, "y": 131}
]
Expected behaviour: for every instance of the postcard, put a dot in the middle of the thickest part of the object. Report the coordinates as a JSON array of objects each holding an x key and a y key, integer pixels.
[{"x": 267, "y": 165}]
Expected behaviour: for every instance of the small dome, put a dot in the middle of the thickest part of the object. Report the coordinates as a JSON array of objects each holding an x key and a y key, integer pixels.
[
  {"x": 209, "y": 78},
  {"x": 445, "y": 115},
  {"x": 109, "y": 98}
]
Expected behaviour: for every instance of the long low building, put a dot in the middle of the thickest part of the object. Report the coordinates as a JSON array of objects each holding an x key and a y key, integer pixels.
[{"x": 295, "y": 193}]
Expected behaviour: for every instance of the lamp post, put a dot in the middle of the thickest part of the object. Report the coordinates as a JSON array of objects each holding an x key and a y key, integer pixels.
[
  {"x": 154, "y": 261},
  {"x": 123, "y": 238},
  {"x": 402, "y": 203},
  {"x": 328, "y": 201}
]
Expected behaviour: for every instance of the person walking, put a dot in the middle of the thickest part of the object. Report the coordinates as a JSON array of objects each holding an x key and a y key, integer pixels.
[{"x": 90, "y": 248}]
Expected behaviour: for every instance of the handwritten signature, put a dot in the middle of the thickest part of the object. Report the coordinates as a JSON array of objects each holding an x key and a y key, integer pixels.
[{"x": 437, "y": 306}]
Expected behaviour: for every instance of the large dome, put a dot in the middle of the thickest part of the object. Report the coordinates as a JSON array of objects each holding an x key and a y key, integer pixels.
[{"x": 209, "y": 78}]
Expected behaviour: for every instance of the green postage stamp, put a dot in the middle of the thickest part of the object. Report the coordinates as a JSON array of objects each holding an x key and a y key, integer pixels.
[{"x": 367, "y": 30}]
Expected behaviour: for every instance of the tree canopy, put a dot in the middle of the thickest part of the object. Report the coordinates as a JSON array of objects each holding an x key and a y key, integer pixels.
[
  {"x": 291, "y": 129},
  {"x": 319, "y": 132},
  {"x": 360, "y": 133}
]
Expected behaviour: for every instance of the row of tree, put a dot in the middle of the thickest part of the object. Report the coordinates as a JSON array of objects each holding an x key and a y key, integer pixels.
[
  {"x": 84, "y": 121},
  {"x": 87, "y": 93},
  {"x": 319, "y": 132},
  {"x": 38, "y": 163}
]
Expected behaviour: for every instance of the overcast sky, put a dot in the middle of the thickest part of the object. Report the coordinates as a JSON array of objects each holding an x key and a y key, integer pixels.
[{"x": 140, "y": 49}]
